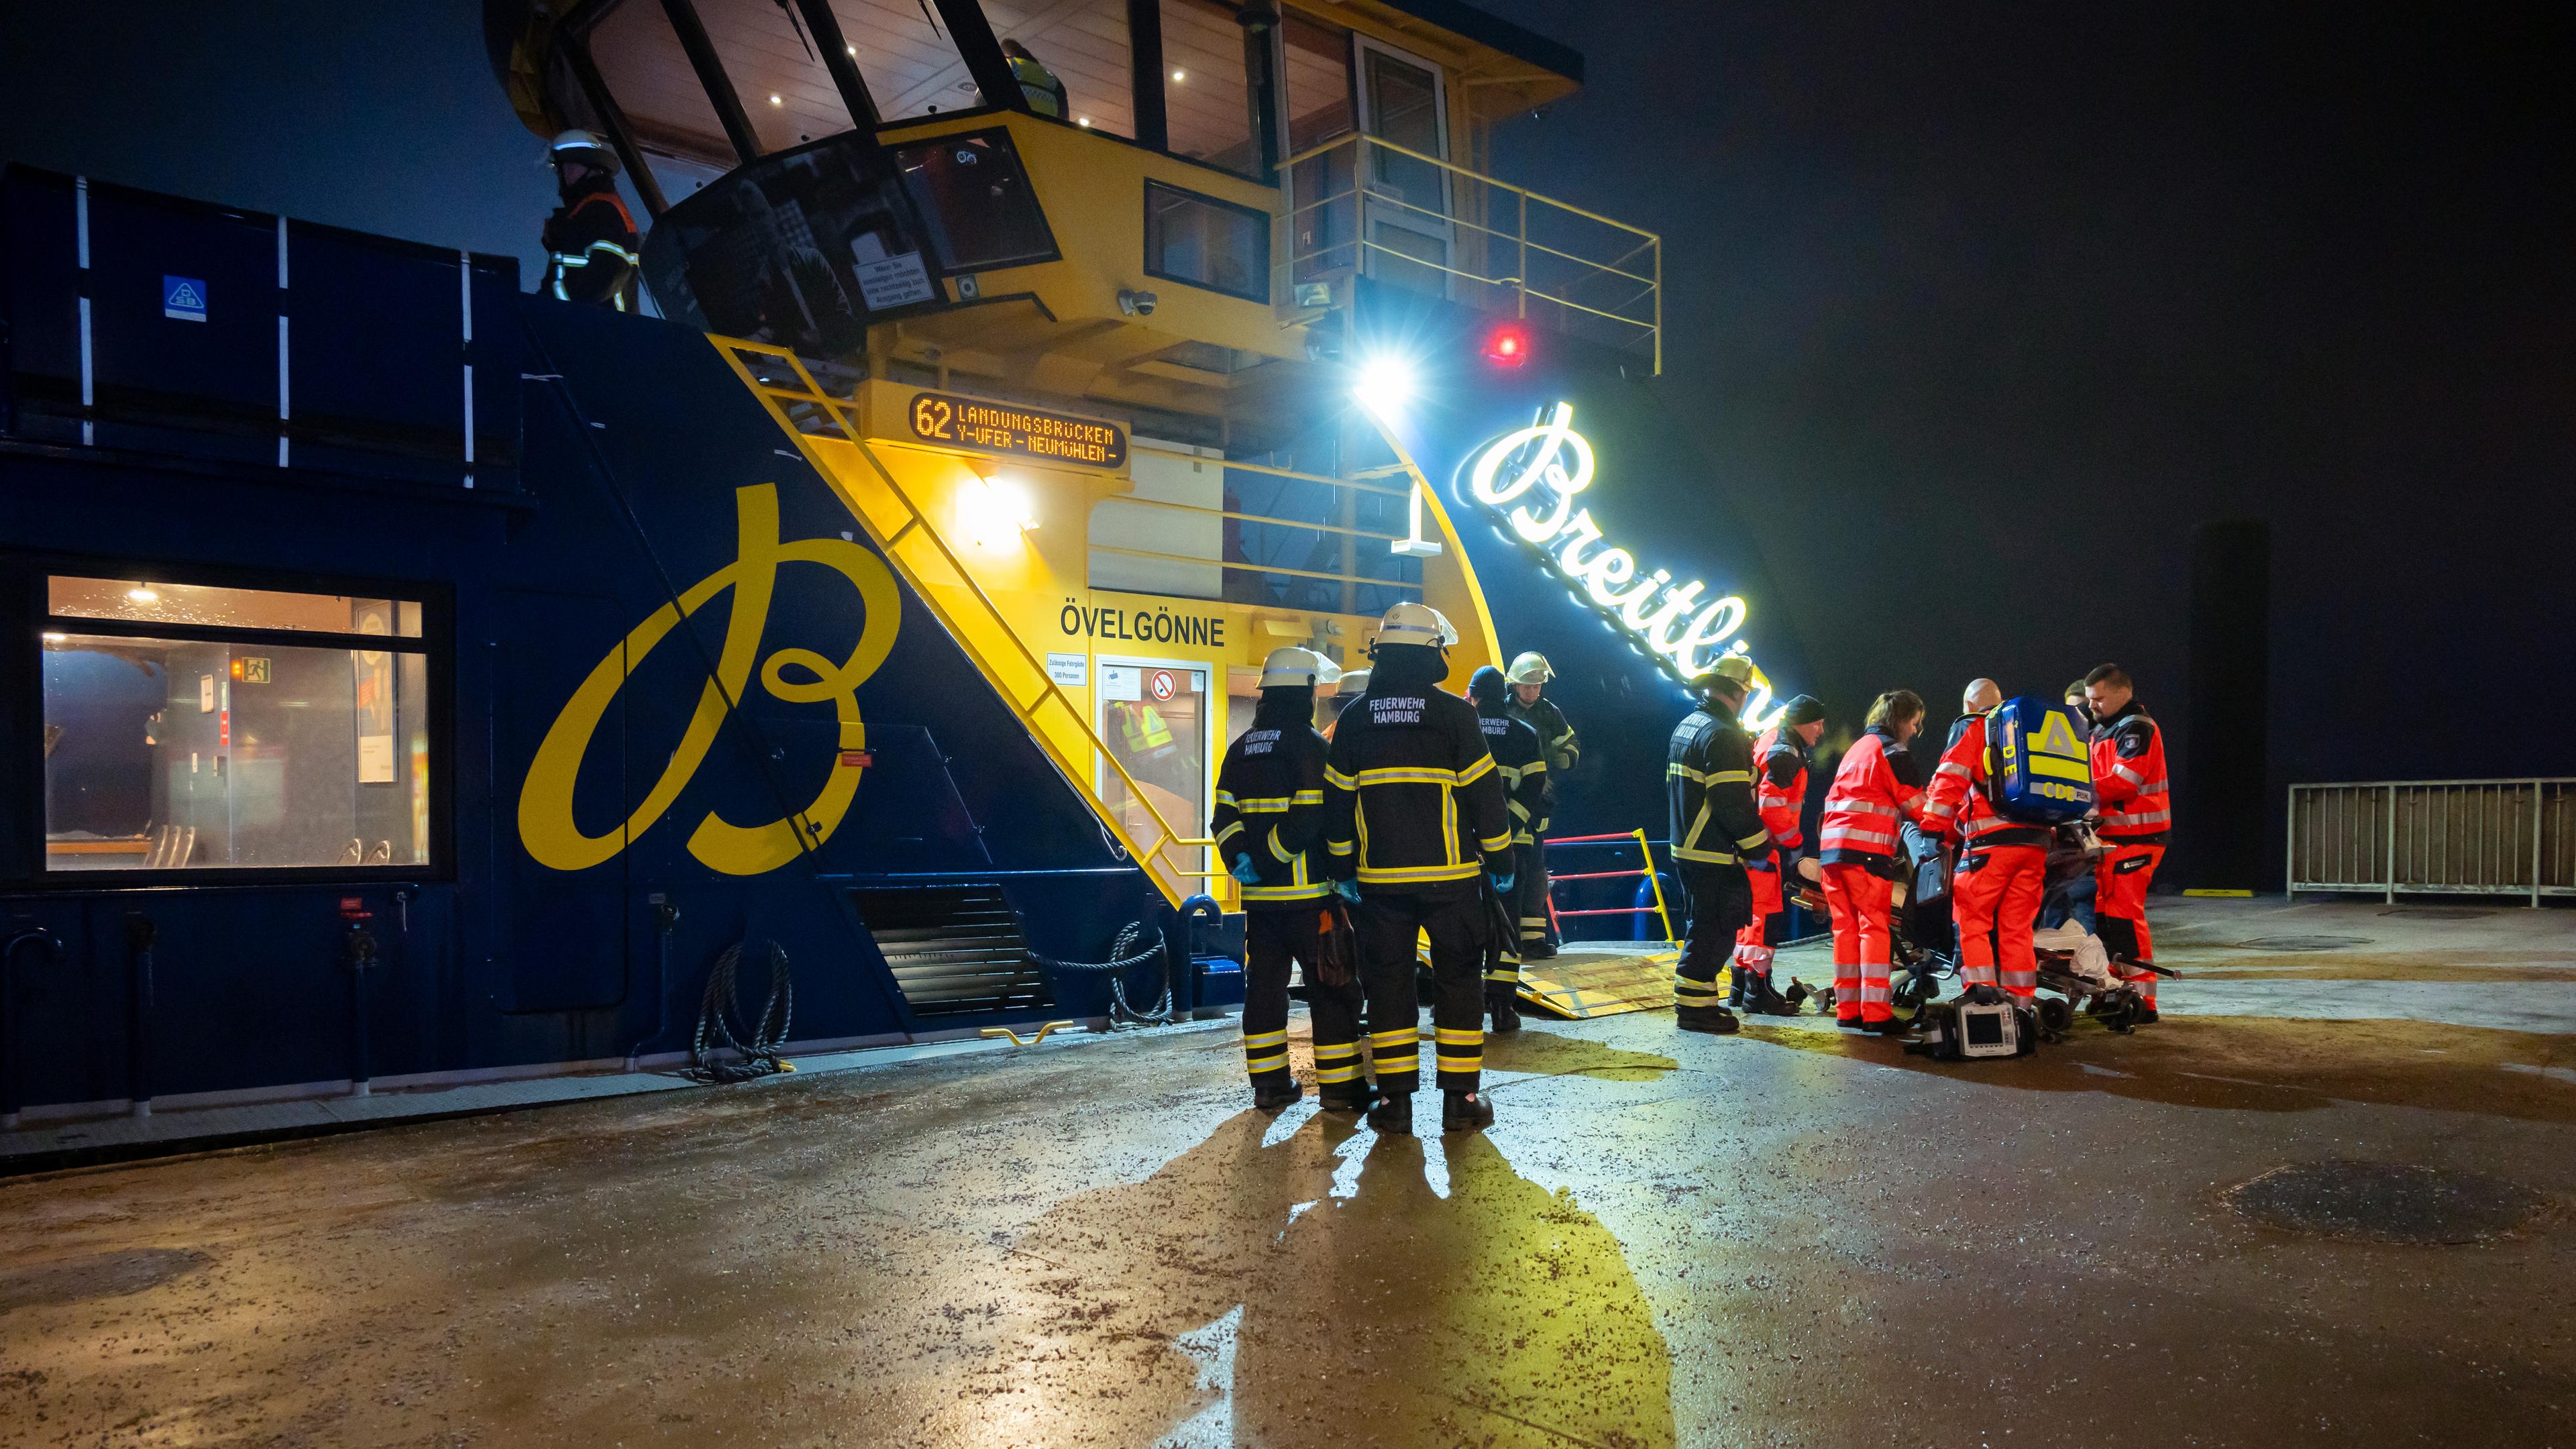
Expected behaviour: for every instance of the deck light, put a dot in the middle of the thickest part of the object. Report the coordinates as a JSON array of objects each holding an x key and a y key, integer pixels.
[
  {"x": 1385, "y": 383},
  {"x": 1507, "y": 345}
]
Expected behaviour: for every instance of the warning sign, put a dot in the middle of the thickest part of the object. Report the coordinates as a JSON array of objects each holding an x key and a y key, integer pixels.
[{"x": 183, "y": 298}]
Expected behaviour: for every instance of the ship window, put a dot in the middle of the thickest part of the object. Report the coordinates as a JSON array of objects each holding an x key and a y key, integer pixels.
[
  {"x": 910, "y": 65},
  {"x": 1206, "y": 242},
  {"x": 766, "y": 52},
  {"x": 189, "y": 728},
  {"x": 1319, "y": 81},
  {"x": 1083, "y": 44},
  {"x": 640, "y": 59},
  {"x": 974, "y": 197},
  {"x": 1204, "y": 90}
]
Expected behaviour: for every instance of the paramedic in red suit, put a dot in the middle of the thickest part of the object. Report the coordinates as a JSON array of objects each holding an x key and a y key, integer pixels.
[
  {"x": 1780, "y": 794},
  {"x": 2132, "y": 793},
  {"x": 1996, "y": 890},
  {"x": 1877, "y": 788}
]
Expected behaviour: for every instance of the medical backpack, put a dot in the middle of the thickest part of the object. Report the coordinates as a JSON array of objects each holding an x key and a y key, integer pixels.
[{"x": 2039, "y": 769}]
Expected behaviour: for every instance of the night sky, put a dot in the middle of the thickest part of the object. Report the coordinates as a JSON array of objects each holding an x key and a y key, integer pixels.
[{"x": 1980, "y": 309}]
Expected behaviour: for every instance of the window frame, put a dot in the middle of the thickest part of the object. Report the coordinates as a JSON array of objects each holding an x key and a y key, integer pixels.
[
  {"x": 1259, "y": 218},
  {"x": 435, "y": 644}
]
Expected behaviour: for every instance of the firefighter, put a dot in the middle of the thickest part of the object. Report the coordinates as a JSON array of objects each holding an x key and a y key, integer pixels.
[
  {"x": 1528, "y": 677},
  {"x": 1876, "y": 789},
  {"x": 1269, "y": 829},
  {"x": 1038, "y": 85},
  {"x": 1522, "y": 762},
  {"x": 1708, "y": 787},
  {"x": 1414, "y": 816},
  {"x": 2131, "y": 791},
  {"x": 1780, "y": 760},
  {"x": 590, "y": 240},
  {"x": 2002, "y": 874}
]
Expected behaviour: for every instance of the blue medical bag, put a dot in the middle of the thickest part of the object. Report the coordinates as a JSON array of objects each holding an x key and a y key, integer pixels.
[{"x": 2038, "y": 766}]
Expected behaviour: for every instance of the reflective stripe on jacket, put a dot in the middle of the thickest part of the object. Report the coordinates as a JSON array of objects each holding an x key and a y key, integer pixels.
[
  {"x": 1412, "y": 800},
  {"x": 1869, "y": 799},
  {"x": 2130, "y": 787},
  {"x": 1270, "y": 806},
  {"x": 1708, "y": 789},
  {"x": 1780, "y": 787},
  {"x": 1523, "y": 766}
]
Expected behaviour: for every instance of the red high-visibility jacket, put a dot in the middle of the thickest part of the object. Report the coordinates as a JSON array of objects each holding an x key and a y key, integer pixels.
[
  {"x": 1961, "y": 801},
  {"x": 1872, "y": 794},
  {"x": 1780, "y": 787},
  {"x": 2129, "y": 784}
]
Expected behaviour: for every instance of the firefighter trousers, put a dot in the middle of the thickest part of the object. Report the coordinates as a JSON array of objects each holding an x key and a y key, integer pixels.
[
  {"x": 1858, "y": 902},
  {"x": 1273, "y": 940},
  {"x": 1538, "y": 928},
  {"x": 1524, "y": 904},
  {"x": 1389, "y": 923},
  {"x": 1720, "y": 902},
  {"x": 1994, "y": 900},
  {"x": 2120, "y": 880}
]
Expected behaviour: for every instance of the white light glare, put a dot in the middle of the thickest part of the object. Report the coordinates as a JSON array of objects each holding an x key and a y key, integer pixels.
[
  {"x": 1386, "y": 383},
  {"x": 994, "y": 512},
  {"x": 142, "y": 594}
]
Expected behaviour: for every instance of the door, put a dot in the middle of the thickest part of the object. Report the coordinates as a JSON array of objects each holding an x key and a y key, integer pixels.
[
  {"x": 1406, "y": 210},
  {"x": 1155, "y": 716}
]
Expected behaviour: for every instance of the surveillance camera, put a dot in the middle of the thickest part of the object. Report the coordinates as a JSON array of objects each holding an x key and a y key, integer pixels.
[{"x": 1135, "y": 303}]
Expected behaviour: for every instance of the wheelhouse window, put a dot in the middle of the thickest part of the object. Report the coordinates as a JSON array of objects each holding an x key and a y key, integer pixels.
[
  {"x": 1206, "y": 242},
  {"x": 189, "y": 727}
]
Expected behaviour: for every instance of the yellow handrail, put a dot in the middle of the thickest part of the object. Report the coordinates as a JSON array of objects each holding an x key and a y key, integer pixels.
[
  {"x": 841, "y": 415},
  {"x": 1254, "y": 568},
  {"x": 1353, "y": 138}
]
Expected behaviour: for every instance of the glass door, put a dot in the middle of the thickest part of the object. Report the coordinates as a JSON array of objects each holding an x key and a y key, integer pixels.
[
  {"x": 1406, "y": 215},
  {"x": 1155, "y": 716}
]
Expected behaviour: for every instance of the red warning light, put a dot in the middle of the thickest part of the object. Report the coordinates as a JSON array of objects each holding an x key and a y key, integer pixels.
[{"x": 1507, "y": 345}]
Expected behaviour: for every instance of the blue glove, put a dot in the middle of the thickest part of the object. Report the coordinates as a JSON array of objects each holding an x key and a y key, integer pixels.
[
  {"x": 1348, "y": 890},
  {"x": 1244, "y": 870},
  {"x": 1502, "y": 881}
]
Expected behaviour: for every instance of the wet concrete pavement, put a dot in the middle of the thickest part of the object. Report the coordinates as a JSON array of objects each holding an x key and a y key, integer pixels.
[{"x": 1788, "y": 1237}]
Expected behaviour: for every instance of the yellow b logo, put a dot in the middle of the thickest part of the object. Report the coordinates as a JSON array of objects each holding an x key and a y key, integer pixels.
[{"x": 546, "y": 824}]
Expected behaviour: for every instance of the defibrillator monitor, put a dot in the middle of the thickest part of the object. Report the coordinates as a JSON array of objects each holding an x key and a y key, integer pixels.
[{"x": 1988, "y": 1031}]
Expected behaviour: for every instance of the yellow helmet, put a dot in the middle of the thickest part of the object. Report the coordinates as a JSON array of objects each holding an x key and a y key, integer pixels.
[
  {"x": 1530, "y": 668},
  {"x": 1732, "y": 669}
]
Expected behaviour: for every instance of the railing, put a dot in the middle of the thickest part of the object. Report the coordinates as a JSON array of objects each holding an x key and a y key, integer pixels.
[
  {"x": 917, "y": 547},
  {"x": 1365, "y": 206},
  {"x": 1339, "y": 551},
  {"x": 1636, "y": 838},
  {"x": 2435, "y": 837}
]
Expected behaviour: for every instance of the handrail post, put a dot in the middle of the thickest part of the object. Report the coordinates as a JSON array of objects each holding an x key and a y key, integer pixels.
[
  {"x": 2539, "y": 805},
  {"x": 2290, "y": 854},
  {"x": 1657, "y": 881},
  {"x": 2392, "y": 845}
]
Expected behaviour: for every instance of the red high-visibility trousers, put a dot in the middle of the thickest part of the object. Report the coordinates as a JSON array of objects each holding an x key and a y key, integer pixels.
[
  {"x": 1857, "y": 901},
  {"x": 2120, "y": 881},
  {"x": 1994, "y": 901},
  {"x": 1752, "y": 947}
]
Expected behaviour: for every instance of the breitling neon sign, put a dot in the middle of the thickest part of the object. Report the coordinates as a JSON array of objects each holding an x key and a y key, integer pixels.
[{"x": 1549, "y": 464}]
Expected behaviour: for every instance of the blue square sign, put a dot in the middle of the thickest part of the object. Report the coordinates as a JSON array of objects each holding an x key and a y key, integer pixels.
[{"x": 183, "y": 298}]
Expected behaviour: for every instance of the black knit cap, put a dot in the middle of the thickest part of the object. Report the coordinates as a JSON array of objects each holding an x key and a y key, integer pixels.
[
  {"x": 1803, "y": 709},
  {"x": 1487, "y": 685}
]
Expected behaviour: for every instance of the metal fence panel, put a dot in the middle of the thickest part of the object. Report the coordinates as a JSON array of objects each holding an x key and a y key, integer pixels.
[{"x": 2461, "y": 837}]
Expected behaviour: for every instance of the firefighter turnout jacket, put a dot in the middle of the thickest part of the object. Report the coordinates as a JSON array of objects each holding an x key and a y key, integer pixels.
[
  {"x": 1413, "y": 803},
  {"x": 591, "y": 249},
  {"x": 1962, "y": 796},
  {"x": 1876, "y": 788},
  {"x": 1708, "y": 785},
  {"x": 1521, "y": 762},
  {"x": 2129, "y": 783},
  {"x": 1780, "y": 788},
  {"x": 1555, "y": 736},
  {"x": 1270, "y": 805}
]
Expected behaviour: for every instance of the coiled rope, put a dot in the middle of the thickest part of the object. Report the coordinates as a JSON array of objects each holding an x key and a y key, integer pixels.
[
  {"x": 1124, "y": 958},
  {"x": 757, "y": 1057}
]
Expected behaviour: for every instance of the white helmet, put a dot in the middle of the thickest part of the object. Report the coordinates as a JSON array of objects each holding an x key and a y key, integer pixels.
[
  {"x": 1530, "y": 668},
  {"x": 1354, "y": 683},
  {"x": 1298, "y": 668},
  {"x": 1416, "y": 624},
  {"x": 584, "y": 147}
]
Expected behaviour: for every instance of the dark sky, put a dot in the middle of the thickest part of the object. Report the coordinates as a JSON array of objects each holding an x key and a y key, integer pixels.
[{"x": 1980, "y": 308}]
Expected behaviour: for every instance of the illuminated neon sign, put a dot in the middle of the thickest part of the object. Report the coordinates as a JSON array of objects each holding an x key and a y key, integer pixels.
[{"x": 1548, "y": 464}]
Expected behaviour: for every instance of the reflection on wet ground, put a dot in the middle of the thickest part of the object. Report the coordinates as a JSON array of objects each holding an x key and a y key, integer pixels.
[{"x": 1790, "y": 1236}]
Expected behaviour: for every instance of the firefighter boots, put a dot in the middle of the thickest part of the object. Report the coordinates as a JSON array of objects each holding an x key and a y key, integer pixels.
[{"x": 1465, "y": 1112}]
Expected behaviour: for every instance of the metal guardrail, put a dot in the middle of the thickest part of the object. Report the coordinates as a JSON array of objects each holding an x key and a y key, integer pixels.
[
  {"x": 1360, "y": 204},
  {"x": 2435, "y": 837}
]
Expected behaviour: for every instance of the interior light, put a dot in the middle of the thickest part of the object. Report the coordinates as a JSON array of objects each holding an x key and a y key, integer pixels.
[
  {"x": 53, "y": 638},
  {"x": 852, "y": 49},
  {"x": 1180, "y": 75},
  {"x": 1083, "y": 121},
  {"x": 142, "y": 594},
  {"x": 775, "y": 101}
]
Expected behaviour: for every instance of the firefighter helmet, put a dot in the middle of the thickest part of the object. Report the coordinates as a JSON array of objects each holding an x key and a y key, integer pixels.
[
  {"x": 1298, "y": 668},
  {"x": 1530, "y": 668},
  {"x": 1731, "y": 670},
  {"x": 1416, "y": 624},
  {"x": 585, "y": 147}
]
